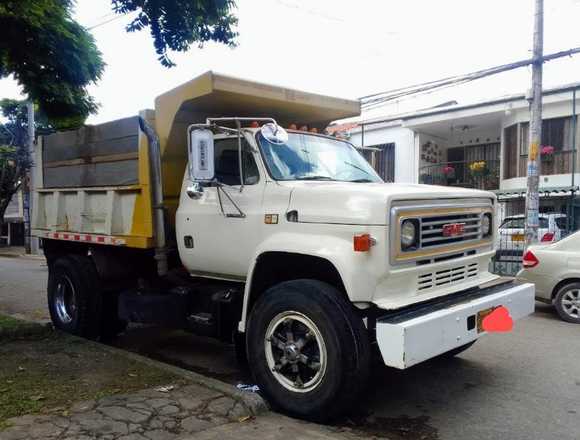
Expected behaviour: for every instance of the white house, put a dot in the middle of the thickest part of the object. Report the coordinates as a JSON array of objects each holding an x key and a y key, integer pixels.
[{"x": 481, "y": 145}]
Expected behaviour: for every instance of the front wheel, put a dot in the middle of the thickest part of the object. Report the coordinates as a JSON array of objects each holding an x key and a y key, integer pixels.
[
  {"x": 308, "y": 349},
  {"x": 567, "y": 303}
]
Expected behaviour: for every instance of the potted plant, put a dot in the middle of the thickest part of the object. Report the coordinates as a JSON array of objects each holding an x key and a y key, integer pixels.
[
  {"x": 478, "y": 168},
  {"x": 448, "y": 172},
  {"x": 547, "y": 153}
]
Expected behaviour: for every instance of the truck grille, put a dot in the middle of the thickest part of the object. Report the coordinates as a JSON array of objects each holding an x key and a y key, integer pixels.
[
  {"x": 432, "y": 229},
  {"x": 447, "y": 276},
  {"x": 446, "y": 228}
]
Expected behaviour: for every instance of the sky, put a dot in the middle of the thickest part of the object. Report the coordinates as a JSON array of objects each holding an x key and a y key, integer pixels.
[{"x": 341, "y": 48}]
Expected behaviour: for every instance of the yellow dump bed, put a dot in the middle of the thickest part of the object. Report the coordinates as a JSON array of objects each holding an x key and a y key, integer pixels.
[{"x": 93, "y": 184}]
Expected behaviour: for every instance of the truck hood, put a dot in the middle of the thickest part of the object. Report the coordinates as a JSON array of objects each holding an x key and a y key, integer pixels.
[{"x": 362, "y": 203}]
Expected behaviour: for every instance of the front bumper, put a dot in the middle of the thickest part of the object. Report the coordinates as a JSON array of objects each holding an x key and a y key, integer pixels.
[{"x": 417, "y": 333}]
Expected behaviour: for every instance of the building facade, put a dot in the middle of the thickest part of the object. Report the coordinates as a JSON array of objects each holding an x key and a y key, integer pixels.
[
  {"x": 483, "y": 145},
  {"x": 12, "y": 231}
]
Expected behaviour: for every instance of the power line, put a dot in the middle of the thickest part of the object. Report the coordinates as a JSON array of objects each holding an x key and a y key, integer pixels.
[
  {"x": 107, "y": 21},
  {"x": 377, "y": 99}
]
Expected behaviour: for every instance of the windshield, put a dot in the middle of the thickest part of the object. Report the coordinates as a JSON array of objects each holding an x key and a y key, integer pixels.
[
  {"x": 519, "y": 223},
  {"x": 311, "y": 157}
]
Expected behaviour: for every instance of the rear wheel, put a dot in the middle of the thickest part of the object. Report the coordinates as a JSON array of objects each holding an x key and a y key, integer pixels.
[
  {"x": 74, "y": 300},
  {"x": 567, "y": 302},
  {"x": 308, "y": 349}
]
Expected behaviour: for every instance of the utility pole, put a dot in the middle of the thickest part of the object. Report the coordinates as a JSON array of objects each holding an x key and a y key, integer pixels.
[
  {"x": 29, "y": 187},
  {"x": 534, "y": 160}
]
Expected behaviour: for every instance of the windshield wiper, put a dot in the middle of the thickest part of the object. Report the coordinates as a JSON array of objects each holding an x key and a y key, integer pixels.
[
  {"x": 357, "y": 167},
  {"x": 314, "y": 178},
  {"x": 361, "y": 181}
]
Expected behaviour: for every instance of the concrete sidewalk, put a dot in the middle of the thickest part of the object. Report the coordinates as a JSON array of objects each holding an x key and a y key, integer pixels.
[
  {"x": 187, "y": 412},
  {"x": 164, "y": 413}
]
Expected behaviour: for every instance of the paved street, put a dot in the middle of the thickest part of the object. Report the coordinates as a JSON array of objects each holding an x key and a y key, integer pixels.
[{"x": 522, "y": 385}]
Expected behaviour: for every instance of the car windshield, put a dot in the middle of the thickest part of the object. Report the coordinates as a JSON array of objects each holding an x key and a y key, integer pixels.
[
  {"x": 311, "y": 157},
  {"x": 519, "y": 223}
]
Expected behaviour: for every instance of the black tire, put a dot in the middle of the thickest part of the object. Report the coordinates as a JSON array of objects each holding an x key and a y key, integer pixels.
[
  {"x": 452, "y": 353},
  {"x": 75, "y": 274},
  {"x": 567, "y": 312},
  {"x": 345, "y": 339}
]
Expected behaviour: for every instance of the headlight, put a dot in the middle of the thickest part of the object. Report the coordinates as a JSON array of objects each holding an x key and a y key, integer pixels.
[
  {"x": 408, "y": 234},
  {"x": 486, "y": 225}
]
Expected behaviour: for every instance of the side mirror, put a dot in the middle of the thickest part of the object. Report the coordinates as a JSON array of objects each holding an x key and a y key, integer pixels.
[
  {"x": 201, "y": 161},
  {"x": 201, "y": 155}
]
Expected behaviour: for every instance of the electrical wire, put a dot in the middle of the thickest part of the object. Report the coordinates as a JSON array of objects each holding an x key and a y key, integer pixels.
[
  {"x": 117, "y": 17},
  {"x": 377, "y": 99}
]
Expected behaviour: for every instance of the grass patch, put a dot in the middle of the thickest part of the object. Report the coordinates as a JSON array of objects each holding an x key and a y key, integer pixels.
[
  {"x": 15, "y": 328},
  {"x": 10, "y": 324},
  {"x": 47, "y": 375}
]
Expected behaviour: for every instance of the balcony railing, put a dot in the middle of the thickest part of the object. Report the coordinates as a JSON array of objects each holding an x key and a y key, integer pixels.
[
  {"x": 479, "y": 174},
  {"x": 560, "y": 162}
]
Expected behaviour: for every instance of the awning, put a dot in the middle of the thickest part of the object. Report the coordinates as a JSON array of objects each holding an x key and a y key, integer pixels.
[{"x": 552, "y": 191}]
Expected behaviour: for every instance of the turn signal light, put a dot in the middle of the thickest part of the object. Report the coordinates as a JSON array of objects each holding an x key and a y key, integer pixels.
[
  {"x": 530, "y": 260},
  {"x": 548, "y": 237},
  {"x": 362, "y": 243}
]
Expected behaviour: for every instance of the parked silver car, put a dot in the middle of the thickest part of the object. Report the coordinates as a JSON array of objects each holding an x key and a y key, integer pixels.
[
  {"x": 510, "y": 239},
  {"x": 555, "y": 270}
]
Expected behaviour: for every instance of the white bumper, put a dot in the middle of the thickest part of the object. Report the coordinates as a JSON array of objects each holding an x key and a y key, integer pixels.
[{"x": 415, "y": 335}]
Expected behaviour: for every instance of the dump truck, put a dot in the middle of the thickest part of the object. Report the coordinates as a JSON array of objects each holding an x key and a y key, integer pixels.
[{"x": 226, "y": 212}]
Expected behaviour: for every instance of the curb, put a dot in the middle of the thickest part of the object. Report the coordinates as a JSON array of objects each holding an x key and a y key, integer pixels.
[
  {"x": 252, "y": 401},
  {"x": 27, "y": 256}
]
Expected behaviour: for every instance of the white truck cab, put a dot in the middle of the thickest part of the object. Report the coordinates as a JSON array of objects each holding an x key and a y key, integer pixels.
[{"x": 285, "y": 242}]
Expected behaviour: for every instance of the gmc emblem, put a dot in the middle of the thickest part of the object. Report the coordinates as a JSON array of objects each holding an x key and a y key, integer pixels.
[{"x": 453, "y": 229}]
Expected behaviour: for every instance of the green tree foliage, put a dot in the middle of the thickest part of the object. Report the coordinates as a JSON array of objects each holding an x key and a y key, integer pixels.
[
  {"x": 51, "y": 56},
  {"x": 14, "y": 157},
  {"x": 54, "y": 58},
  {"x": 177, "y": 24}
]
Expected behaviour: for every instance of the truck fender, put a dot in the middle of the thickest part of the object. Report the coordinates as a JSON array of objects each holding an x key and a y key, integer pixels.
[{"x": 338, "y": 251}]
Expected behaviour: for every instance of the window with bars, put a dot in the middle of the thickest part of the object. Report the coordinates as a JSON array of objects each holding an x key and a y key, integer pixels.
[
  {"x": 556, "y": 132},
  {"x": 383, "y": 160}
]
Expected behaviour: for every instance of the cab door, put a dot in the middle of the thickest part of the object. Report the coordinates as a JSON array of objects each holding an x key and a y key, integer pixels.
[{"x": 218, "y": 233}]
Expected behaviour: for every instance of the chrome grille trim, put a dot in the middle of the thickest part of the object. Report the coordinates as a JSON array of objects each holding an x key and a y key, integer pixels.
[
  {"x": 431, "y": 216},
  {"x": 434, "y": 237}
]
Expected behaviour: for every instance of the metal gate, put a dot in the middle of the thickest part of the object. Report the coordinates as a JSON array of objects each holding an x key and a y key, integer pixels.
[{"x": 559, "y": 215}]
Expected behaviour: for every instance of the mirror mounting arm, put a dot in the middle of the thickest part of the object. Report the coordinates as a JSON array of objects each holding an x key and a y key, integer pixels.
[{"x": 239, "y": 127}]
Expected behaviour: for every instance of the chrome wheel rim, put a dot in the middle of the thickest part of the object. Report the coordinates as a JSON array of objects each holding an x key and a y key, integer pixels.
[
  {"x": 295, "y": 352},
  {"x": 65, "y": 300},
  {"x": 571, "y": 303}
]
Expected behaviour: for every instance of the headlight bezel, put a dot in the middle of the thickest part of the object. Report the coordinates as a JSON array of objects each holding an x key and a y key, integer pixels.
[
  {"x": 489, "y": 218},
  {"x": 413, "y": 241}
]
